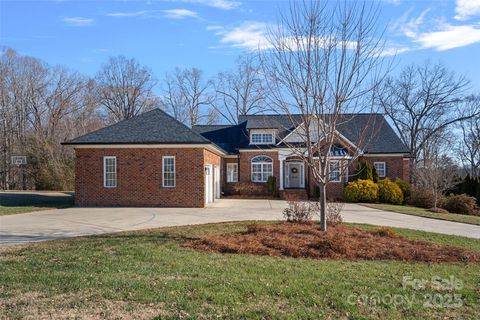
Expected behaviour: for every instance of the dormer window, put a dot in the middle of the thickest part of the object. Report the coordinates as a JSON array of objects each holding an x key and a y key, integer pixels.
[{"x": 262, "y": 137}]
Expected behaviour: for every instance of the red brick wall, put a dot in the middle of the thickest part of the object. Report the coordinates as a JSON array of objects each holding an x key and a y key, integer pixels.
[
  {"x": 139, "y": 178},
  {"x": 245, "y": 166},
  {"x": 396, "y": 167}
]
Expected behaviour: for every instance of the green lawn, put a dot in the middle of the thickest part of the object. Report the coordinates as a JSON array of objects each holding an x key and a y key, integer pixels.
[
  {"x": 149, "y": 275},
  {"x": 415, "y": 211},
  {"x": 21, "y": 202}
]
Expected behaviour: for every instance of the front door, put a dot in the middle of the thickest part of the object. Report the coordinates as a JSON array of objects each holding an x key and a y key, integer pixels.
[{"x": 294, "y": 175}]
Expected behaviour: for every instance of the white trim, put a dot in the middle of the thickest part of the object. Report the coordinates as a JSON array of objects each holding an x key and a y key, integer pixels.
[
  {"x": 337, "y": 132},
  {"x": 210, "y": 147},
  {"x": 372, "y": 155},
  {"x": 339, "y": 171},
  {"x": 384, "y": 168},
  {"x": 105, "y": 158},
  {"x": 258, "y": 149},
  {"x": 261, "y": 166},
  {"x": 235, "y": 177},
  {"x": 287, "y": 173},
  {"x": 174, "y": 172},
  {"x": 262, "y": 131}
]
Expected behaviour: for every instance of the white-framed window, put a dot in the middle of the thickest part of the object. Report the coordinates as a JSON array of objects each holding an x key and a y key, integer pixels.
[
  {"x": 334, "y": 171},
  {"x": 109, "y": 172},
  {"x": 262, "y": 138},
  {"x": 232, "y": 172},
  {"x": 262, "y": 168},
  {"x": 381, "y": 168},
  {"x": 168, "y": 172}
]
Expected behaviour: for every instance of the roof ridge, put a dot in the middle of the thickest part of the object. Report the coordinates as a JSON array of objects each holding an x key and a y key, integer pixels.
[{"x": 183, "y": 124}]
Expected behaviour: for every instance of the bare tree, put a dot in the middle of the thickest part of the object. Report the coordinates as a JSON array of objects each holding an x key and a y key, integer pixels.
[
  {"x": 325, "y": 60},
  {"x": 468, "y": 146},
  {"x": 240, "y": 92},
  {"x": 424, "y": 100},
  {"x": 436, "y": 171},
  {"x": 41, "y": 106},
  {"x": 188, "y": 97},
  {"x": 173, "y": 100},
  {"x": 125, "y": 88}
]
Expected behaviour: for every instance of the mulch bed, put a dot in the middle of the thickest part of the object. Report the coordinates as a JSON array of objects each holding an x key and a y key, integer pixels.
[{"x": 339, "y": 242}]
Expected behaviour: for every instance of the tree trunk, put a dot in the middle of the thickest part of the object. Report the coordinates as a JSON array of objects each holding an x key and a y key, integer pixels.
[{"x": 323, "y": 207}]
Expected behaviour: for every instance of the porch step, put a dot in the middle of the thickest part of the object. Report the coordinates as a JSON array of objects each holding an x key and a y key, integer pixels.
[{"x": 294, "y": 194}]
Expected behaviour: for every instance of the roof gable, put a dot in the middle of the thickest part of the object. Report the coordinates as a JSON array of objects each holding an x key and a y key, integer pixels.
[{"x": 152, "y": 127}]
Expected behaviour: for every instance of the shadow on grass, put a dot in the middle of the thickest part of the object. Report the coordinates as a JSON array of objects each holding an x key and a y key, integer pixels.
[{"x": 20, "y": 199}]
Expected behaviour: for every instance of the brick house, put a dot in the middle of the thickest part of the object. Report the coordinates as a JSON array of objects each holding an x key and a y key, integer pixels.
[{"x": 154, "y": 160}]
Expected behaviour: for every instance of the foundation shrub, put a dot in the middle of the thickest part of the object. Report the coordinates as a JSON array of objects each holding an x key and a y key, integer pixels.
[{"x": 361, "y": 191}]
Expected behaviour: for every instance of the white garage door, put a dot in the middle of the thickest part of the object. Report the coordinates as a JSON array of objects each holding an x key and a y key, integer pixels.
[{"x": 208, "y": 184}]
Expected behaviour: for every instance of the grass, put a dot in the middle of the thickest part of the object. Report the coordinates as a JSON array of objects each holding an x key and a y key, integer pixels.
[
  {"x": 421, "y": 212},
  {"x": 148, "y": 274},
  {"x": 20, "y": 202}
]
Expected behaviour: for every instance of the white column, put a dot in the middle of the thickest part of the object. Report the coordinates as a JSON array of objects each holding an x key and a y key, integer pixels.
[{"x": 281, "y": 171}]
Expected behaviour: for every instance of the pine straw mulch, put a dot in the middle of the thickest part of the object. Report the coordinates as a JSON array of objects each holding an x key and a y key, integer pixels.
[{"x": 339, "y": 242}]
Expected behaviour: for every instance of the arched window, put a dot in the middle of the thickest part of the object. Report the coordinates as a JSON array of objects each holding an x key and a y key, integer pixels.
[{"x": 262, "y": 168}]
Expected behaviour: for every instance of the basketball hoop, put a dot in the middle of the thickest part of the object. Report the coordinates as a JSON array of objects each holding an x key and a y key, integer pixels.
[{"x": 19, "y": 160}]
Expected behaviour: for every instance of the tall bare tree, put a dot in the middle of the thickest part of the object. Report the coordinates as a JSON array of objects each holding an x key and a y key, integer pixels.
[
  {"x": 188, "y": 96},
  {"x": 468, "y": 147},
  {"x": 41, "y": 106},
  {"x": 436, "y": 171},
  {"x": 242, "y": 91},
  {"x": 424, "y": 100},
  {"x": 325, "y": 60},
  {"x": 125, "y": 88}
]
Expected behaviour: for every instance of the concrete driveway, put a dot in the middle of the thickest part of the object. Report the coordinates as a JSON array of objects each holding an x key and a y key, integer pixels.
[{"x": 71, "y": 222}]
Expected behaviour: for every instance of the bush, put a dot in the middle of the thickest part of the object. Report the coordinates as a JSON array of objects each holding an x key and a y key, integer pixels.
[
  {"x": 334, "y": 210},
  {"x": 389, "y": 192},
  {"x": 249, "y": 189},
  {"x": 361, "y": 191},
  {"x": 461, "y": 203},
  {"x": 365, "y": 171},
  {"x": 470, "y": 186},
  {"x": 421, "y": 198},
  {"x": 300, "y": 211},
  {"x": 272, "y": 186},
  {"x": 405, "y": 187}
]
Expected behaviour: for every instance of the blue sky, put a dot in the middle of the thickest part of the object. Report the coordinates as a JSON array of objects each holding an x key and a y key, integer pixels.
[{"x": 211, "y": 34}]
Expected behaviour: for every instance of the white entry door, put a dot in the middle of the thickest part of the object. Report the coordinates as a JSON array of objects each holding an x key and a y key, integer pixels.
[
  {"x": 208, "y": 184},
  {"x": 294, "y": 176},
  {"x": 217, "y": 182}
]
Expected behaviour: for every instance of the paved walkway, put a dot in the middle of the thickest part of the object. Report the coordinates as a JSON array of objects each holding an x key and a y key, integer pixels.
[{"x": 71, "y": 222}]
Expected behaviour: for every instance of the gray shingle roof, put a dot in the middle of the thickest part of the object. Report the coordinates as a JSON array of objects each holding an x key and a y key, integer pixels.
[
  {"x": 151, "y": 127},
  {"x": 380, "y": 136}
]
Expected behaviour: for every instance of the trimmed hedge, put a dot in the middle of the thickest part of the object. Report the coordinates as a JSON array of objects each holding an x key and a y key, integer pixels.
[
  {"x": 406, "y": 189},
  {"x": 361, "y": 191},
  {"x": 389, "y": 192}
]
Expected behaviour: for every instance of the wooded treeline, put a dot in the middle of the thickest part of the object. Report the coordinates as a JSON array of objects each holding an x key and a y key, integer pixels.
[{"x": 41, "y": 105}]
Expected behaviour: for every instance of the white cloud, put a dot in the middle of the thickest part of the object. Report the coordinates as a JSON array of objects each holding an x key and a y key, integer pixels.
[
  {"x": 78, "y": 21},
  {"x": 171, "y": 14},
  {"x": 437, "y": 34},
  {"x": 449, "y": 36},
  {"x": 128, "y": 14},
  {"x": 214, "y": 28},
  {"x": 250, "y": 35},
  {"x": 219, "y": 4},
  {"x": 393, "y": 50},
  {"x": 180, "y": 13},
  {"x": 466, "y": 9}
]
